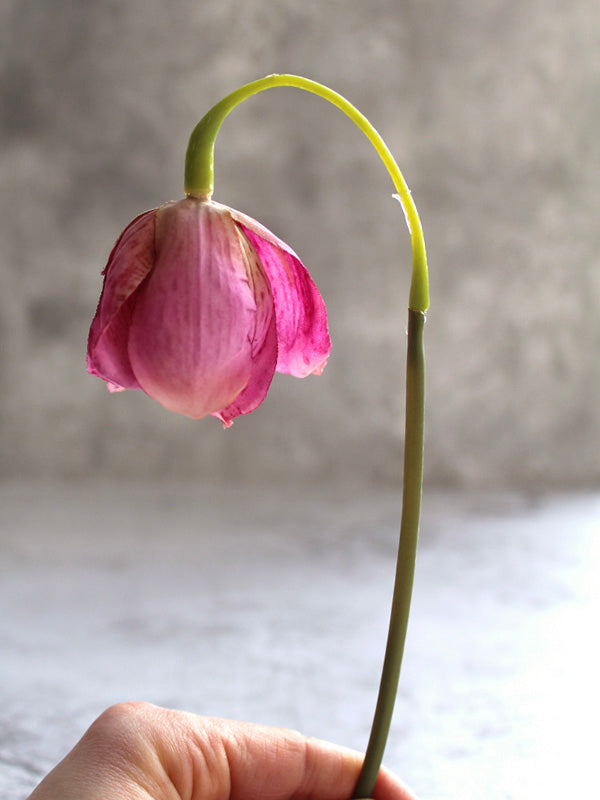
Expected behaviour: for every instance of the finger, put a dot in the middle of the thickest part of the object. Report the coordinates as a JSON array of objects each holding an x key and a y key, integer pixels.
[
  {"x": 136, "y": 751},
  {"x": 230, "y": 760}
]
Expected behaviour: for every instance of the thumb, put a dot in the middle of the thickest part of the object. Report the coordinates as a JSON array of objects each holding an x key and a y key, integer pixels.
[
  {"x": 137, "y": 751},
  {"x": 228, "y": 760}
]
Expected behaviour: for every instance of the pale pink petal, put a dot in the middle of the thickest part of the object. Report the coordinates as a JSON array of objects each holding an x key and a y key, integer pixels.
[
  {"x": 113, "y": 387},
  {"x": 302, "y": 332},
  {"x": 195, "y": 328},
  {"x": 129, "y": 262}
]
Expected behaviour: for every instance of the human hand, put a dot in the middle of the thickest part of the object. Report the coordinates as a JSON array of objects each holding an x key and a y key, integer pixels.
[{"x": 137, "y": 751}]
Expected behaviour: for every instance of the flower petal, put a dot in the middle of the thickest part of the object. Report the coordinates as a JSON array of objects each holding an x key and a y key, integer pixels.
[
  {"x": 263, "y": 368},
  {"x": 194, "y": 324},
  {"x": 302, "y": 332},
  {"x": 130, "y": 261}
]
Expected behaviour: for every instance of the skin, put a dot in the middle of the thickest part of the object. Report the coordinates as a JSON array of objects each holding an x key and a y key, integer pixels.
[{"x": 137, "y": 751}]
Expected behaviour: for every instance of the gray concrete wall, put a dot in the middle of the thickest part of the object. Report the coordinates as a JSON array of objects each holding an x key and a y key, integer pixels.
[{"x": 491, "y": 108}]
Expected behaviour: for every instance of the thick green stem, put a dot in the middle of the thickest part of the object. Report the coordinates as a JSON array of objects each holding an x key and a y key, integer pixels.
[
  {"x": 199, "y": 177},
  {"x": 407, "y": 553}
]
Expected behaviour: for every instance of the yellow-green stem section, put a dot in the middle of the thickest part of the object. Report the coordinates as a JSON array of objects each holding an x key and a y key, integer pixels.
[
  {"x": 199, "y": 163},
  {"x": 199, "y": 176}
]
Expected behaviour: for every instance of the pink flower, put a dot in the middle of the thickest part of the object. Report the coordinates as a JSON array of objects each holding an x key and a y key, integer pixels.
[{"x": 200, "y": 306}]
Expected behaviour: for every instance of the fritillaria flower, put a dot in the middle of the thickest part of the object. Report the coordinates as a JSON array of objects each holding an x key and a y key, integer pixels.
[{"x": 200, "y": 306}]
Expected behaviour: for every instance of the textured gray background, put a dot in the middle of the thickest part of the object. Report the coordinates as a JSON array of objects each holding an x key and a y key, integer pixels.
[
  {"x": 207, "y": 600},
  {"x": 491, "y": 108}
]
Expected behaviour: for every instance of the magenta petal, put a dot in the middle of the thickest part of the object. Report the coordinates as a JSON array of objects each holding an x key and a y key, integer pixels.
[
  {"x": 302, "y": 332},
  {"x": 108, "y": 357},
  {"x": 129, "y": 262},
  {"x": 263, "y": 369},
  {"x": 199, "y": 318}
]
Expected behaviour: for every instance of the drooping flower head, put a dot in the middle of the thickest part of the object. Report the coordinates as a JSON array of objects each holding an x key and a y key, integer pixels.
[{"x": 200, "y": 306}]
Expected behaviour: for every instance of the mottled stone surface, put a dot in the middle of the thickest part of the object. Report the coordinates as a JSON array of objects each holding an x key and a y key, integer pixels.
[
  {"x": 491, "y": 109},
  {"x": 273, "y": 607}
]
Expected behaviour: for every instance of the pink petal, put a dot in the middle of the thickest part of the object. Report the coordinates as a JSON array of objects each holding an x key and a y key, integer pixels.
[
  {"x": 199, "y": 319},
  {"x": 302, "y": 332},
  {"x": 263, "y": 369},
  {"x": 130, "y": 261}
]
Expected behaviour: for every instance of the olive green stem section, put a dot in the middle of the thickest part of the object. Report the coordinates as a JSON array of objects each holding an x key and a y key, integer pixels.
[
  {"x": 199, "y": 163},
  {"x": 199, "y": 178},
  {"x": 407, "y": 553}
]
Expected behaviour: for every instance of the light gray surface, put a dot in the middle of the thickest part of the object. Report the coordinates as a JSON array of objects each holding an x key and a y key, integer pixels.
[
  {"x": 491, "y": 109},
  {"x": 273, "y": 606}
]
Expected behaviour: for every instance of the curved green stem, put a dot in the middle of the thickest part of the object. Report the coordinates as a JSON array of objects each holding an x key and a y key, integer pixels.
[
  {"x": 199, "y": 163},
  {"x": 199, "y": 170}
]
